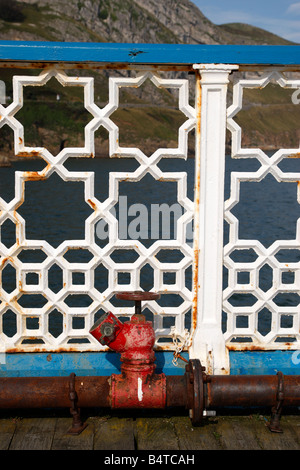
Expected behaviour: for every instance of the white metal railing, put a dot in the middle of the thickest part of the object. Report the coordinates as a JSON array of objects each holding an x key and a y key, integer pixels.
[
  {"x": 101, "y": 211},
  {"x": 265, "y": 256},
  {"x": 203, "y": 301}
]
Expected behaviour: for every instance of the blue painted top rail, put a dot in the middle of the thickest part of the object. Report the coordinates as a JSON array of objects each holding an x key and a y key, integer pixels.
[{"x": 184, "y": 54}]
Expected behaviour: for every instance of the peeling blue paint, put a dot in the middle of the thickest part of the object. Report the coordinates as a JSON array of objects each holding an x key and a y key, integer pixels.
[
  {"x": 148, "y": 53},
  {"x": 103, "y": 364},
  {"x": 82, "y": 364},
  {"x": 264, "y": 362}
]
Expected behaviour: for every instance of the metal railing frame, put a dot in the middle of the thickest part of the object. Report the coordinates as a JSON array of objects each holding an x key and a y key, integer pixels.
[{"x": 212, "y": 66}]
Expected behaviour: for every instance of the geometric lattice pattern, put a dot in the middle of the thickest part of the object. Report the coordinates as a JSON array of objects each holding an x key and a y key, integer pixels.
[
  {"x": 243, "y": 322},
  {"x": 31, "y": 331}
]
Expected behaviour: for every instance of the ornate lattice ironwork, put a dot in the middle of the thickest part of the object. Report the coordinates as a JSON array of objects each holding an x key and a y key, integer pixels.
[{"x": 35, "y": 336}]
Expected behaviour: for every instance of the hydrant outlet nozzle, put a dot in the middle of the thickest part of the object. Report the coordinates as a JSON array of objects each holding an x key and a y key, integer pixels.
[{"x": 106, "y": 329}]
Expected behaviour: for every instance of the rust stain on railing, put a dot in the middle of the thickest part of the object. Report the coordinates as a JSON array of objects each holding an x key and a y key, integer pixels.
[
  {"x": 95, "y": 66},
  {"x": 196, "y": 203},
  {"x": 92, "y": 204},
  {"x": 32, "y": 154},
  {"x": 36, "y": 175},
  {"x": 241, "y": 347},
  {"x": 294, "y": 155},
  {"x": 5, "y": 260}
]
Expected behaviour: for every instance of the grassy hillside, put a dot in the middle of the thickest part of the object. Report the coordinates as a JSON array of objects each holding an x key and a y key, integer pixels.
[
  {"x": 54, "y": 116},
  {"x": 269, "y": 119},
  {"x": 247, "y": 34}
]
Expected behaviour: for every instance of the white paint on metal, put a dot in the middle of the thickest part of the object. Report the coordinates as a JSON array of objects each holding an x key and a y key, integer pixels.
[
  {"x": 208, "y": 341},
  {"x": 140, "y": 389},
  {"x": 269, "y": 165},
  {"x": 101, "y": 210}
]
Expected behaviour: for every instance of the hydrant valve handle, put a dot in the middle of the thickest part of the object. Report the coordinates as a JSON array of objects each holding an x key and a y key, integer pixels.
[{"x": 138, "y": 297}]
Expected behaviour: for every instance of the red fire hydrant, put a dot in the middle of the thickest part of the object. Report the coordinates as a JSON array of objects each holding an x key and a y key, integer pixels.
[{"x": 137, "y": 386}]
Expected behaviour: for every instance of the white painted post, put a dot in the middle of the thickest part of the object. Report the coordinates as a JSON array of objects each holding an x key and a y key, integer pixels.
[{"x": 208, "y": 342}]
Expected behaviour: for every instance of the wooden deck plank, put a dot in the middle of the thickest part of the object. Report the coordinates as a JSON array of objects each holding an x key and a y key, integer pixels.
[
  {"x": 64, "y": 441},
  {"x": 276, "y": 441},
  {"x": 114, "y": 434},
  {"x": 149, "y": 433},
  {"x": 195, "y": 438},
  {"x": 294, "y": 423},
  {"x": 156, "y": 434},
  {"x": 33, "y": 434},
  {"x": 7, "y": 429},
  {"x": 237, "y": 433}
]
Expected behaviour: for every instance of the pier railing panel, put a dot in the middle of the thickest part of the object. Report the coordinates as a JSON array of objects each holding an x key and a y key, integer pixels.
[{"x": 209, "y": 272}]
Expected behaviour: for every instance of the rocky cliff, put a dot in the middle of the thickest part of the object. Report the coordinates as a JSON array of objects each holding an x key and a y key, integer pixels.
[{"x": 144, "y": 21}]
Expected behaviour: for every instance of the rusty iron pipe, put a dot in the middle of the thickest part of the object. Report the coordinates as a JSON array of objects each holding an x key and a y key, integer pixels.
[
  {"x": 176, "y": 391},
  {"x": 95, "y": 391},
  {"x": 247, "y": 390},
  {"x": 53, "y": 392}
]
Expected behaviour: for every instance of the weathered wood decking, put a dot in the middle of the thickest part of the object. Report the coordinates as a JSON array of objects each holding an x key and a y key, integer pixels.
[{"x": 146, "y": 431}]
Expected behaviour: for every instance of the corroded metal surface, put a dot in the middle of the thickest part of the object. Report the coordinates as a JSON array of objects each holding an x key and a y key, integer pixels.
[
  {"x": 250, "y": 390},
  {"x": 137, "y": 295},
  {"x": 219, "y": 392},
  {"x": 53, "y": 392}
]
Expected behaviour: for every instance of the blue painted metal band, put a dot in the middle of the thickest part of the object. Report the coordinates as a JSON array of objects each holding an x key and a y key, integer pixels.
[
  {"x": 82, "y": 364},
  {"x": 185, "y": 54},
  {"x": 103, "y": 364},
  {"x": 264, "y": 362}
]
